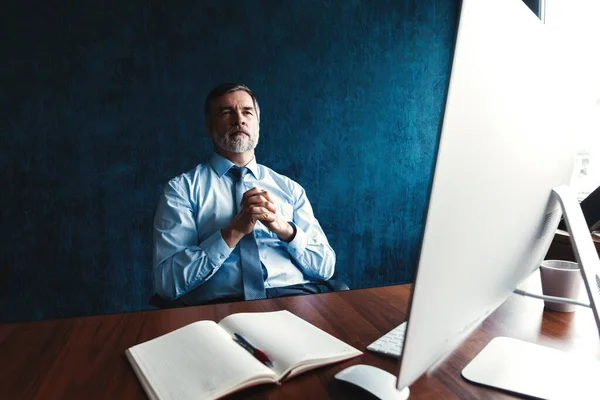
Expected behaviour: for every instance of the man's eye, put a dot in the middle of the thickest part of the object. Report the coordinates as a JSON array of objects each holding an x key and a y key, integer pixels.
[{"x": 248, "y": 113}]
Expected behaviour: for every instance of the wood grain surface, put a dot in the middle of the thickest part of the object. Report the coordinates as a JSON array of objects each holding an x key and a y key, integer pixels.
[{"x": 83, "y": 358}]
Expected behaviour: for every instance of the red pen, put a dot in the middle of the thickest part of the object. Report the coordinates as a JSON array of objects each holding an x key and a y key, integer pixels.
[{"x": 257, "y": 353}]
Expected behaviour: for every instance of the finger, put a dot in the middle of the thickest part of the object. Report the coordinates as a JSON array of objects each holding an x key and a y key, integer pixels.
[
  {"x": 253, "y": 198},
  {"x": 270, "y": 202},
  {"x": 267, "y": 195},
  {"x": 256, "y": 199},
  {"x": 271, "y": 207},
  {"x": 265, "y": 218},
  {"x": 263, "y": 215},
  {"x": 249, "y": 193},
  {"x": 255, "y": 210},
  {"x": 260, "y": 201}
]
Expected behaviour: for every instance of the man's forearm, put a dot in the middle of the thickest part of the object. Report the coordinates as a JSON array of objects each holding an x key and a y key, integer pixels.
[
  {"x": 190, "y": 267},
  {"x": 181, "y": 273},
  {"x": 313, "y": 254}
]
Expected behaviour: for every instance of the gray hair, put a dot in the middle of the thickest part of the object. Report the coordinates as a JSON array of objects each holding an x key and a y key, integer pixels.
[{"x": 225, "y": 88}]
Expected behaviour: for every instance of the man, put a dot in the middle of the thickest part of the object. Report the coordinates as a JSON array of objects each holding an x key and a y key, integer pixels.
[{"x": 231, "y": 228}]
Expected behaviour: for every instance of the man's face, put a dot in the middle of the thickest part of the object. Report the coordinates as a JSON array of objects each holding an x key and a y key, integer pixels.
[{"x": 233, "y": 122}]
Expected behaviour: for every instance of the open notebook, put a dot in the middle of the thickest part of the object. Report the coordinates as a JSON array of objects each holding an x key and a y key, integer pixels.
[{"x": 202, "y": 360}]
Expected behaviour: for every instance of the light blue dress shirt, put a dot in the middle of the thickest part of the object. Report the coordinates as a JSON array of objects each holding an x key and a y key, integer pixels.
[{"x": 192, "y": 261}]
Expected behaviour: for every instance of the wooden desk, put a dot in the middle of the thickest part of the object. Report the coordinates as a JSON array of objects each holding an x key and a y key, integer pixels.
[{"x": 83, "y": 358}]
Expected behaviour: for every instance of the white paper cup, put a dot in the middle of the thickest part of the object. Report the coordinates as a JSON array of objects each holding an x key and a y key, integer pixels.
[{"x": 560, "y": 279}]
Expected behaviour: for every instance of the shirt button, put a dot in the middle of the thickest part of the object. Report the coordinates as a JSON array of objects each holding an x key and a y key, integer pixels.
[{"x": 221, "y": 256}]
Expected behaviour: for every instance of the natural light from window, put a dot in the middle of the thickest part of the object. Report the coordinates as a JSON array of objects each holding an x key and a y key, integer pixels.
[{"x": 579, "y": 24}]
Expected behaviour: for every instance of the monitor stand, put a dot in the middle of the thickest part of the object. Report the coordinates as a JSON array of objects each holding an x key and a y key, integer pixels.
[
  {"x": 538, "y": 371},
  {"x": 583, "y": 246},
  {"x": 534, "y": 370}
]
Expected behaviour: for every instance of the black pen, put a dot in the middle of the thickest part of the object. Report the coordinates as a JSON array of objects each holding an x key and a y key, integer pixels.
[{"x": 258, "y": 354}]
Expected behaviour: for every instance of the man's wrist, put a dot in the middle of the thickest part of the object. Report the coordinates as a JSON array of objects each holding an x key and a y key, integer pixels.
[
  {"x": 289, "y": 234},
  {"x": 231, "y": 236}
]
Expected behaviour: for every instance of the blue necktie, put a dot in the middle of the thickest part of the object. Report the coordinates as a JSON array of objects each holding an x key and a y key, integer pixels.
[{"x": 252, "y": 273}]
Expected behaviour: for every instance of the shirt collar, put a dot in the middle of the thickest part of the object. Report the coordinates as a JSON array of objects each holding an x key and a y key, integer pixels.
[{"x": 221, "y": 165}]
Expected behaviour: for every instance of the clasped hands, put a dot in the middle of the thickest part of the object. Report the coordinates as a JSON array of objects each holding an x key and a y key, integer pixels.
[{"x": 257, "y": 205}]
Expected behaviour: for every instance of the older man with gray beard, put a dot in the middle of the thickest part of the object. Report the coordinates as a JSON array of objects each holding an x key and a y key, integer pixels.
[{"x": 231, "y": 228}]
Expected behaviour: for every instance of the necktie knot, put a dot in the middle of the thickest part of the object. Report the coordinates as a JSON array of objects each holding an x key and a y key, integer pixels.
[{"x": 238, "y": 173}]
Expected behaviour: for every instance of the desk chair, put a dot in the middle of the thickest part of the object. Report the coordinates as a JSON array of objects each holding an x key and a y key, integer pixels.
[
  {"x": 334, "y": 284},
  {"x": 159, "y": 302}
]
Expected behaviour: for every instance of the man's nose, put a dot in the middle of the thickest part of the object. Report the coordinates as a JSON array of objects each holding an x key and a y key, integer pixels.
[{"x": 239, "y": 118}]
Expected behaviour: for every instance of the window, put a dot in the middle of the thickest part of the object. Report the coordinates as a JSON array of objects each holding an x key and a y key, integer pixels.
[{"x": 578, "y": 24}]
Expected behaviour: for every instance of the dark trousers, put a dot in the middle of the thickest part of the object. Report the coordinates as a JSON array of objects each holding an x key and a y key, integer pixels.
[
  {"x": 292, "y": 290},
  {"x": 301, "y": 288}
]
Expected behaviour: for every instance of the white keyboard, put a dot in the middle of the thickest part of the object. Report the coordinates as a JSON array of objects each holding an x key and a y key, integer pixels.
[{"x": 391, "y": 343}]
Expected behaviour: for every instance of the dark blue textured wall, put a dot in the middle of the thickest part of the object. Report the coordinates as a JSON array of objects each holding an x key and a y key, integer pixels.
[{"x": 100, "y": 104}]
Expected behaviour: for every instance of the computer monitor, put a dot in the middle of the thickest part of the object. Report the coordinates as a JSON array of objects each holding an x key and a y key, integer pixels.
[{"x": 508, "y": 138}]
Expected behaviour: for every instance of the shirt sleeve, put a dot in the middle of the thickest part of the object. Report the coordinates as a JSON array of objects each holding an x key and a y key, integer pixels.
[
  {"x": 310, "y": 247},
  {"x": 180, "y": 262}
]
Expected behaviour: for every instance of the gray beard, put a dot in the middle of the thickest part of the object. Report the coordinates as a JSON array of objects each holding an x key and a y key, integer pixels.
[{"x": 237, "y": 144}]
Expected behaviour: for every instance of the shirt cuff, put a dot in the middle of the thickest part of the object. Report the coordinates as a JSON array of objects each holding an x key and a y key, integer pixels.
[
  {"x": 298, "y": 244},
  {"x": 216, "y": 249}
]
